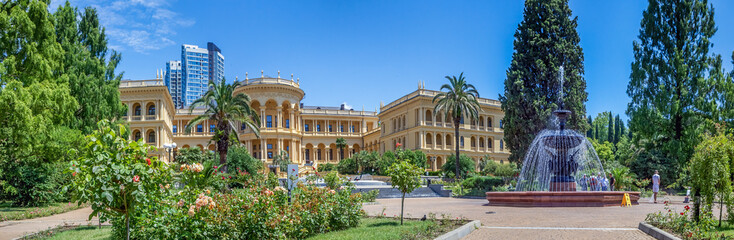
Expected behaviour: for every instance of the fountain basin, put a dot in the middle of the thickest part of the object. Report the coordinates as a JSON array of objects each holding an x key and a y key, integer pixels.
[{"x": 560, "y": 199}]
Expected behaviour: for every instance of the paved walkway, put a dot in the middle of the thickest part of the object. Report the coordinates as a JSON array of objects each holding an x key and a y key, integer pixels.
[
  {"x": 15, "y": 229},
  {"x": 532, "y": 223}
]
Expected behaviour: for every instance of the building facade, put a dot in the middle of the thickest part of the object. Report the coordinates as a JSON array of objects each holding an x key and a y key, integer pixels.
[
  {"x": 216, "y": 62},
  {"x": 195, "y": 65},
  {"x": 174, "y": 81},
  {"x": 307, "y": 134}
]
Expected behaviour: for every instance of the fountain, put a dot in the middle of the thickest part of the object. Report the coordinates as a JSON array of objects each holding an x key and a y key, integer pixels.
[{"x": 556, "y": 170}]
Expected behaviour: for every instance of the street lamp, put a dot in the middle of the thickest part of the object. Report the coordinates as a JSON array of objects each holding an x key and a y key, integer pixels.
[{"x": 169, "y": 147}]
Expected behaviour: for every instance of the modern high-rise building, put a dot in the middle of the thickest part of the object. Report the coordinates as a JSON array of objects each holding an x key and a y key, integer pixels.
[
  {"x": 216, "y": 62},
  {"x": 174, "y": 82},
  {"x": 195, "y": 66}
]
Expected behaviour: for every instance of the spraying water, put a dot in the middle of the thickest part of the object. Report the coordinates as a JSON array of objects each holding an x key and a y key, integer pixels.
[{"x": 560, "y": 159}]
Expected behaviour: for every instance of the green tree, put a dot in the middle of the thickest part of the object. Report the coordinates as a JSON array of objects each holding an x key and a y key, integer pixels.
[
  {"x": 341, "y": 144},
  {"x": 710, "y": 170},
  {"x": 674, "y": 84},
  {"x": 367, "y": 160},
  {"x": 610, "y": 129},
  {"x": 458, "y": 101},
  {"x": 226, "y": 109},
  {"x": 605, "y": 151},
  {"x": 406, "y": 178},
  {"x": 86, "y": 67},
  {"x": 545, "y": 40}
]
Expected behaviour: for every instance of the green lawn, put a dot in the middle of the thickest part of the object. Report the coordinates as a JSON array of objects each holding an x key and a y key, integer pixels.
[
  {"x": 87, "y": 233},
  {"x": 726, "y": 228},
  {"x": 8, "y": 212},
  {"x": 389, "y": 228}
]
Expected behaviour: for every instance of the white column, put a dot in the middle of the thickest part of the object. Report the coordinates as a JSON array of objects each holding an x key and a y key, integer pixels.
[{"x": 263, "y": 150}]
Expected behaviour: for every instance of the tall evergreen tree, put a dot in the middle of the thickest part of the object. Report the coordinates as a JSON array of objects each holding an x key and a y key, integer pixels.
[
  {"x": 90, "y": 74},
  {"x": 610, "y": 129},
  {"x": 545, "y": 40},
  {"x": 617, "y": 129},
  {"x": 671, "y": 85},
  {"x": 590, "y": 132}
]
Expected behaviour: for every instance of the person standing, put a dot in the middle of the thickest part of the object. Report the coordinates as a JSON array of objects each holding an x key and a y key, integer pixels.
[
  {"x": 603, "y": 182},
  {"x": 593, "y": 185},
  {"x": 655, "y": 186},
  {"x": 584, "y": 183},
  {"x": 611, "y": 182}
]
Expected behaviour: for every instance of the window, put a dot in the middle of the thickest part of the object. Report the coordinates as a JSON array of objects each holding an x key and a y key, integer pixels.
[
  {"x": 501, "y": 126},
  {"x": 308, "y": 154},
  {"x": 175, "y": 129},
  {"x": 318, "y": 154},
  {"x": 151, "y": 110},
  {"x": 287, "y": 148},
  {"x": 269, "y": 121},
  {"x": 330, "y": 130},
  {"x": 287, "y": 123},
  {"x": 270, "y": 146},
  {"x": 243, "y": 127},
  {"x": 305, "y": 127},
  {"x": 270, "y": 155},
  {"x": 341, "y": 128},
  {"x": 137, "y": 111},
  {"x": 199, "y": 128},
  {"x": 462, "y": 141},
  {"x": 137, "y": 136},
  {"x": 151, "y": 137},
  {"x": 502, "y": 145},
  {"x": 353, "y": 129},
  {"x": 211, "y": 128},
  {"x": 318, "y": 127}
]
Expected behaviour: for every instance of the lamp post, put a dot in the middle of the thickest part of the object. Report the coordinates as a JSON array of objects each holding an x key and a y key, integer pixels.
[{"x": 169, "y": 148}]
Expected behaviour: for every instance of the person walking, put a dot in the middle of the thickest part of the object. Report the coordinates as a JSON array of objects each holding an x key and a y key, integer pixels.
[
  {"x": 611, "y": 182},
  {"x": 655, "y": 186}
]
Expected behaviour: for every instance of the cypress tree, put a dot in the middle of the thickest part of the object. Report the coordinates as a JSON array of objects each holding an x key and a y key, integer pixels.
[
  {"x": 545, "y": 40},
  {"x": 590, "y": 132},
  {"x": 610, "y": 129},
  {"x": 671, "y": 86}
]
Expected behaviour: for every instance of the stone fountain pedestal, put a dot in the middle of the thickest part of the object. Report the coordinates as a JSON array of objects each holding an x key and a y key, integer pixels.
[{"x": 560, "y": 199}]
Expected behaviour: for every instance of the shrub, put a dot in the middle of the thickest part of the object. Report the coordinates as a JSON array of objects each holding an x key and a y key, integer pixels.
[
  {"x": 483, "y": 183},
  {"x": 332, "y": 180},
  {"x": 239, "y": 159},
  {"x": 327, "y": 167},
  {"x": 194, "y": 155},
  {"x": 370, "y": 196},
  {"x": 466, "y": 165},
  {"x": 347, "y": 166}
]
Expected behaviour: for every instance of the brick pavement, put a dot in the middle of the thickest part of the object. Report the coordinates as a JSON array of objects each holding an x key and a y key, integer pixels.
[{"x": 532, "y": 223}]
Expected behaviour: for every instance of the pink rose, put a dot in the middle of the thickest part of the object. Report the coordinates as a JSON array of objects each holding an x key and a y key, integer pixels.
[{"x": 136, "y": 178}]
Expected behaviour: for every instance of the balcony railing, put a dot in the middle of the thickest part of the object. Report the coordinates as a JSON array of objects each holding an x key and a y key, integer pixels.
[
  {"x": 137, "y": 118},
  {"x": 431, "y": 94},
  {"x": 141, "y": 83},
  {"x": 150, "y": 117},
  {"x": 268, "y": 80}
]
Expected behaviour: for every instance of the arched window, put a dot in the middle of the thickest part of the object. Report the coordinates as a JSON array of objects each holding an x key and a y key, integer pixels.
[
  {"x": 151, "y": 137},
  {"x": 175, "y": 129},
  {"x": 136, "y": 135},
  {"x": 137, "y": 111},
  {"x": 489, "y": 122},
  {"x": 151, "y": 109},
  {"x": 199, "y": 128},
  {"x": 429, "y": 138},
  {"x": 462, "y": 141},
  {"x": 502, "y": 145},
  {"x": 481, "y": 121},
  {"x": 212, "y": 128},
  {"x": 481, "y": 142}
]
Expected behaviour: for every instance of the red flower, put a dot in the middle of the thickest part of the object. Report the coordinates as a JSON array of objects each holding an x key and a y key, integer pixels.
[
  {"x": 230, "y": 177},
  {"x": 215, "y": 167},
  {"x": 683, "y": 213},
  {"x": 148, "y": 161},
  {"x": 73, "y": 174},
  {"x": 136, "y": 178},
  {"x": 293, "y": 169},
  {"x": 687, "y": 207},
  {"x": 398, "y": 144},
  {"x": 222, "y": 177}
]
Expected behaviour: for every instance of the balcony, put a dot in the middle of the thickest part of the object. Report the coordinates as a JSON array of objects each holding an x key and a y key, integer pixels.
[
  {"x": 429, "y": 123},
  {"x": 137, "y": 118},
  {"x": 150, "y": 117}
]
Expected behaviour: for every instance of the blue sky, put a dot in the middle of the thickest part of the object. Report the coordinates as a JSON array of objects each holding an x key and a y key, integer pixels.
[{"x": 364, "y": 52}]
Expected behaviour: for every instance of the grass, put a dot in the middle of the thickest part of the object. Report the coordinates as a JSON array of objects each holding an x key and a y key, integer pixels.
[
  {"x": 726, "y": 229},
  {"x": 369, "y": 228},
  {"x": 85, "y": 232},
  {"x": 8, "y": 212},
  {"x": 390, "y": 228}
]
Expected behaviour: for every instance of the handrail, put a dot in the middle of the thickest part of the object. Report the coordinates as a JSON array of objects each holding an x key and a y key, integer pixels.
[
  {"x": 267, "y": 80},
  {"x": 338, "y": 112},
  {"x": 141, "y": 83}
]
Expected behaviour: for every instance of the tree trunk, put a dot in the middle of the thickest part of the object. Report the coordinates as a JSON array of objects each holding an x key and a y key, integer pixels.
[
  {"x": 127, "y": 224},
  {"x": 456, "y": 142},
  {"x": 222, "y": 146},
  {"x": 721, "y": 207},
  {"x": 696, "y": 205},
  {"x": 402, "y": 208}
]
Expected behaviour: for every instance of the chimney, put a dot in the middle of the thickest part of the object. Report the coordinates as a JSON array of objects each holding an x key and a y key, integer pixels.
[{"x": 342, "y": 107}]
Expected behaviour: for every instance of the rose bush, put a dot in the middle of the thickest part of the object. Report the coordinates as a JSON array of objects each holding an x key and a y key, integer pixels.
[{"x": 254, "y": 212}]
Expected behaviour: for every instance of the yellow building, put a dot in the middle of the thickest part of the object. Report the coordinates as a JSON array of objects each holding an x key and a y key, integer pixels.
[{"x": 308, "y": 133}]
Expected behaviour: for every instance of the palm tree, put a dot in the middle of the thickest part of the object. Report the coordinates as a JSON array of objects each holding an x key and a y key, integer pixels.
[
  {"x": 459, "y": 99},
  {"x": 225, "y": 108},
  {"x": 341, "y": 144},
  {"x": 282, "y": 160}
]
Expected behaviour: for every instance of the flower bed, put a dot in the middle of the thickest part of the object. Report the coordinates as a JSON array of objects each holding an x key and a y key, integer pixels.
[{"x": 681, "y": 224}]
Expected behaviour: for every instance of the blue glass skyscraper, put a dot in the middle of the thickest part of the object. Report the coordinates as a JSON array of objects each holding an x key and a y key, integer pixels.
[
  {"x": 174, "y": 82},
  {"x": 195, "y": 65}
]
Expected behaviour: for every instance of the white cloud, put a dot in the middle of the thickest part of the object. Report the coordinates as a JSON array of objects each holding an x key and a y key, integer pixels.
[
  {"x": 141, "y": 25},
  {"x": 347, "y": 106}
]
